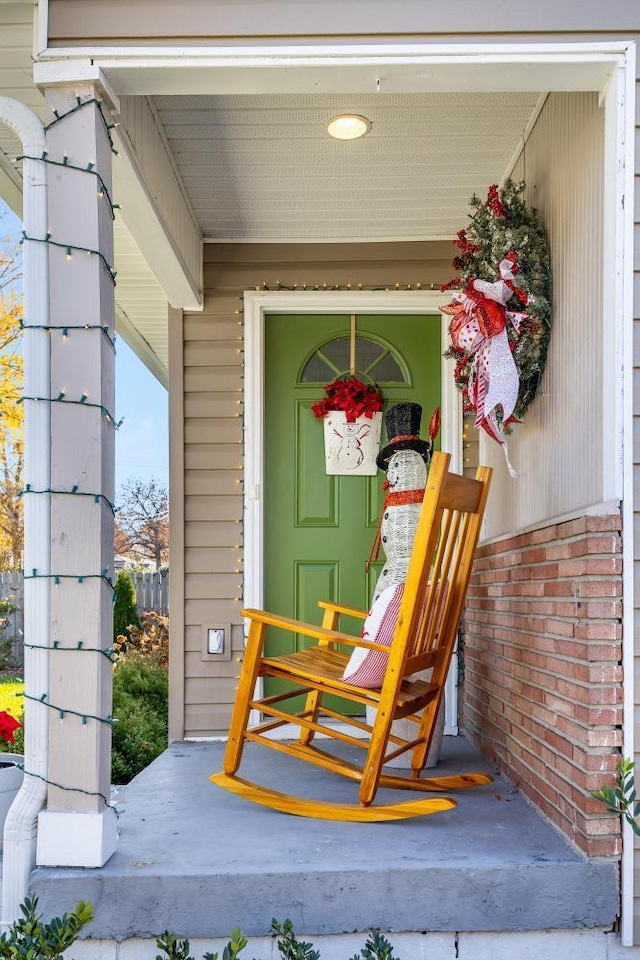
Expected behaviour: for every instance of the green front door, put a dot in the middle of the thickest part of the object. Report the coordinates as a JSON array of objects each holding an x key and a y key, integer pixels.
[{"x": 318, "y": 528}]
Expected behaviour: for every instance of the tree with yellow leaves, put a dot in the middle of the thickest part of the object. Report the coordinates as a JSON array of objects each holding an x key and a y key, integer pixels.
[{"x": 11, "y": 415}]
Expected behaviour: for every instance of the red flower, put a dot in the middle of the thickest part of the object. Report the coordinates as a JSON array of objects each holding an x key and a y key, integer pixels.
[
  {"x": 494, "y": 202},
  {"x": 8, "y": 727},
  {"x": 351, "y": 395}
]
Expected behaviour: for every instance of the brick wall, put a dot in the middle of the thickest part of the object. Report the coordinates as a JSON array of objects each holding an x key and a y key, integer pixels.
[{"x": 542, "y": 669}]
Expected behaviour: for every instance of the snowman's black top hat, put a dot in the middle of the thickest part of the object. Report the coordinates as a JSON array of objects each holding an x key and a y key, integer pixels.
[{"x": 403, "y": 433}]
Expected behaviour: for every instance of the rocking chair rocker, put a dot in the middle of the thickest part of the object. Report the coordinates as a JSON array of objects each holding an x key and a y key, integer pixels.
[{"x": 424, "y": 638}]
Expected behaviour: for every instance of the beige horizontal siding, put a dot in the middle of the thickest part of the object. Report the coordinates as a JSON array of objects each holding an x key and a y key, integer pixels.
[{"x": 196, "y": 21}]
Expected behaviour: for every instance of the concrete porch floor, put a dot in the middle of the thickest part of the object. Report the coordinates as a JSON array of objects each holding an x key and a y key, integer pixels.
[{"x": 199, "y": 861}]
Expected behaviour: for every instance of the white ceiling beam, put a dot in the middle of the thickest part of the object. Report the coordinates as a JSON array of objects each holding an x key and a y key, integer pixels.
[
  {"x": 147, "y": 188},
  {"x": 155, "y": 210}
]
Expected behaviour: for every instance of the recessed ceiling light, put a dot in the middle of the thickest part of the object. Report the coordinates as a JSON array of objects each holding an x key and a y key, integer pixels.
[{"x": 348, "y": 126}]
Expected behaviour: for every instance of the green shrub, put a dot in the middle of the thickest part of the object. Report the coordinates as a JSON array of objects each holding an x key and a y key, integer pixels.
[
  {"x": 289, "y": 947},
  {"x": 31, "y": 939},
  {"x": 140, "y": 708},
  {"x": 125, "y": 611}
]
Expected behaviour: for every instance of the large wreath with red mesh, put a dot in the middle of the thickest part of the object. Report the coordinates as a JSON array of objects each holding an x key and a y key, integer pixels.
[{"x": 500, "y": 308}]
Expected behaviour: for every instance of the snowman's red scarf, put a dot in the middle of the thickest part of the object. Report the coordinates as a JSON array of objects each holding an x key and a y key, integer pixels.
[{"x": 399, "y": 499}]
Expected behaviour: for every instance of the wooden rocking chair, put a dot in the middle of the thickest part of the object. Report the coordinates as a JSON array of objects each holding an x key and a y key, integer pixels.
[{"x": 424, "y": 637}]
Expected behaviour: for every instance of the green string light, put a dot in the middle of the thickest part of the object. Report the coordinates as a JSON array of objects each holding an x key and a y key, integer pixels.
[
  {"x": 108, "y": 652},
  {"x": 80, "y": 577},
  {"x": 60, "y": 786},
  {"x": 69, "y": 247},
  {"x": 74, "y": 492},
  {"x": 103, "y": 191},
  {"x": 332, "y": 287},
  {"x": 63, "y": 711},
  {"x": 65, "y": 328},
  {"x": 80, "y": 103},
  {"x": 82, "y": 402}
]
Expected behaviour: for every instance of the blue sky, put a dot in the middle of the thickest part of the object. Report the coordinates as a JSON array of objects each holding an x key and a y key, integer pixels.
[{"x": 142, "y": 442}]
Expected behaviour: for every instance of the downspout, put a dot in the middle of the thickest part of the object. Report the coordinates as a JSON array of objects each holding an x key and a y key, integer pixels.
[{"x": 21, "y": 824}]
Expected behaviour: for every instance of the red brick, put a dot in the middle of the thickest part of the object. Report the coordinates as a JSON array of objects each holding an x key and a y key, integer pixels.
[
  {"x": 604, "y": 566},
  {"x": 611, "y": 522},
  {"x": 597, "y": 631},
  {"x": 572, "y": 568},
  {"x": 559, "y": 551},
  {"x": 602, "y": 610},
  {"x": 560, "y": 588},
  {"x": 572, "y": 528},
  {"x": 598, "y": 588}
]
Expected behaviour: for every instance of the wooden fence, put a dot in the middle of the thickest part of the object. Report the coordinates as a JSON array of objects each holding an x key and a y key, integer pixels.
[
  {"x": 11, "y": 620},
  {"x": 152, "y": 590},
  {"x": 152, "y": 593}
]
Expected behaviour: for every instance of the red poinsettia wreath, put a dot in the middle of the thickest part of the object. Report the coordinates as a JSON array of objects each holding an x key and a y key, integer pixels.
[
  {"x": 501, "y": 310},
  {"x": 350, "y": 394}
]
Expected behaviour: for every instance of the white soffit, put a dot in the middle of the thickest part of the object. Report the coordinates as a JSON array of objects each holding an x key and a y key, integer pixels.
[
  {"x": 141, "y": 304},
  {"x": 263, "y": 168}
]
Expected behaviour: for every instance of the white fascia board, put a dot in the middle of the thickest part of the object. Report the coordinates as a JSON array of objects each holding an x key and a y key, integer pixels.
[
  {"x": 327, "y": 68},
  {"x": 330, "y": 51}
]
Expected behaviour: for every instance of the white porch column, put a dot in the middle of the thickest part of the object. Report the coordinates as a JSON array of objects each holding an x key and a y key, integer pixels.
[{"x": 78, "y": 828}]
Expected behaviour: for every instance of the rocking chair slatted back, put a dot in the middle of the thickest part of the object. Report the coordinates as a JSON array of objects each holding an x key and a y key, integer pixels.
[{"x": 424, "y": 637}]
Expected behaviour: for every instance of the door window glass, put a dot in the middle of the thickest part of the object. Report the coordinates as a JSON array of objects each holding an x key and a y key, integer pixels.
[{"x": 373, "y": 360}]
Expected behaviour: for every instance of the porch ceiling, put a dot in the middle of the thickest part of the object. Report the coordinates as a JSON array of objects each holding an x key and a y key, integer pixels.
[{"x": 263, "y": 168}]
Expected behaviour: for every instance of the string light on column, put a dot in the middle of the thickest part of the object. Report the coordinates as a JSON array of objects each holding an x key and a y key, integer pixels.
[
  {"x": 69, "y": 248},
  {"x": 90, "y": 168},
  {"x": 78, "y": 577},
  {"x": 74, "y": 492},
  {"x": 80, "y": 104},
  {"x": 108, "y": 652},
  {"x": 67, "y": 329},
  {"x": 82, "y": 402}
]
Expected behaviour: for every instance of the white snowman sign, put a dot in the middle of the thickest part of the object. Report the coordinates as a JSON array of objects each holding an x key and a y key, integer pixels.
[{"x": 351, "y": 448}]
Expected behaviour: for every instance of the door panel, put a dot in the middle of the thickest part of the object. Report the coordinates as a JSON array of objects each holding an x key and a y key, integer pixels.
[{"x": 319, "y": 528}]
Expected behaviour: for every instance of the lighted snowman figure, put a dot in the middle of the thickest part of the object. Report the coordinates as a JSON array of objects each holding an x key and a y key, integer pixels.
[{"x": 405, "y": 459}]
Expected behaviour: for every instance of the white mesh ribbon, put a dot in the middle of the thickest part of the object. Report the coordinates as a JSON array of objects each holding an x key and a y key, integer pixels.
[{"x": 480, "y": 328}]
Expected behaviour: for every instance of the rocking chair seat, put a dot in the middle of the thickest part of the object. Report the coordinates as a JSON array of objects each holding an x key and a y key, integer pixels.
[{"x": 325, "y": 666}]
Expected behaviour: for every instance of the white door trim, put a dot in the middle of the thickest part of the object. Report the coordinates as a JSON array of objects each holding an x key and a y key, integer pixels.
[{"x": 257, "y": 304}]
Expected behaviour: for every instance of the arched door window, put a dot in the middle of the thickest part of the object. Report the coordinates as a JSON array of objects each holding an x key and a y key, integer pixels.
[{"x": 373, "y": 361}]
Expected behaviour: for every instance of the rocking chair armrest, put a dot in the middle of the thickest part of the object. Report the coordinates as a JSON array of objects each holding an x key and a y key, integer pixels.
[
  {"x": 309, "y": 629},
  {"x": 341, "y": 608}
]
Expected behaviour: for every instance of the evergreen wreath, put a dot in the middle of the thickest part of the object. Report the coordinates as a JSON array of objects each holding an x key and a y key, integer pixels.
[{"x": 503, "y": 229}]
